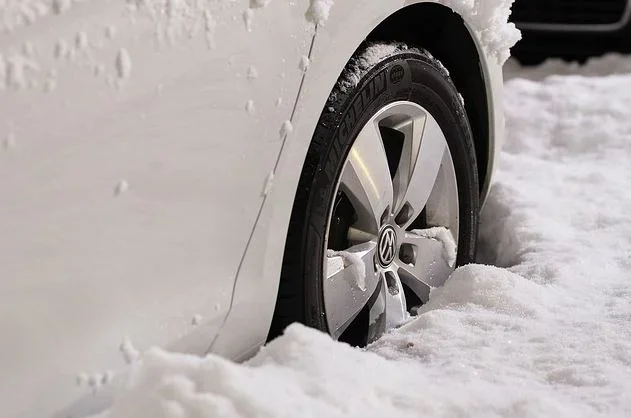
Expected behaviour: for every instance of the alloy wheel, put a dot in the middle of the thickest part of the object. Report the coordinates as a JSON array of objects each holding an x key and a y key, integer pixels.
[{"x": 392, "y": 232}]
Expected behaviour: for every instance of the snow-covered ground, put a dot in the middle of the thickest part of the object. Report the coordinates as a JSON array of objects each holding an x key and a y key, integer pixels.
[{"x": 547, "y": 333}]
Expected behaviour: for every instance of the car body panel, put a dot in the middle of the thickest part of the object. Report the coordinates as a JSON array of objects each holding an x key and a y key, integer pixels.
[{"x": 117, "y": 221}]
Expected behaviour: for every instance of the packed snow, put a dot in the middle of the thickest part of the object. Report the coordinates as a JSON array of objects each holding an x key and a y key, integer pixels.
[{"x": 547, "y": 333}]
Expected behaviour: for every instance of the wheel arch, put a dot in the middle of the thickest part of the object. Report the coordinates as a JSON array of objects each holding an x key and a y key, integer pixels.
[
  {"x": 443, "y": 33},
  {"x": 349, "y": 25}
]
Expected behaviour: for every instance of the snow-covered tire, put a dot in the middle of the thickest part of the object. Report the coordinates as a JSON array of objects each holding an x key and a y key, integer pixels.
[{"x": 401, "y": 77}]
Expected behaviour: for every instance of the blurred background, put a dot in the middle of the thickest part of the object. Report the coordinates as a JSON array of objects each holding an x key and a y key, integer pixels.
[{"x": 572, "y": 30}]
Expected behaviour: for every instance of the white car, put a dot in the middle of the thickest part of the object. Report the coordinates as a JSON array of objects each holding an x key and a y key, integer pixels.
[{"x": 196, "y": 175}]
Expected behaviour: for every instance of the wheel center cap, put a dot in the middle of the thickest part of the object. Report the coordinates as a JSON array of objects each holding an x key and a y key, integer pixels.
[{"x": 386, "y": 246}]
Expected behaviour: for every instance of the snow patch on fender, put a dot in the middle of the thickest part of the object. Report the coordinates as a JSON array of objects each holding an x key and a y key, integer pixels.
[
  {"x": 318, "y": 11},
  {"x": 18, "y": 13},
  {"x": 129, "y": 352},
  {"x": 123, "y": 64},
  {"x": 257, "y": 4},
  {"x": 286, "y": 128},
  {"x": 304, "y": 63},
  {"x": 489, "y": 20},
  {"x": 269, "y": 183}
]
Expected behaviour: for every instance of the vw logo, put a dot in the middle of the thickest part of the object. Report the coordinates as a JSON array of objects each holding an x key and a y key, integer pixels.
[{"x": 386, "y": 246}]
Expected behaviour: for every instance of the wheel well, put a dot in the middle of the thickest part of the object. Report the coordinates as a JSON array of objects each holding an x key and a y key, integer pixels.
[{"x": 444, "y": 34}]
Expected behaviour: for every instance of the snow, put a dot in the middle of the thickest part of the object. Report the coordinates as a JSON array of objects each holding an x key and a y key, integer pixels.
[
  {"x": 209, "y": 26},
  {"x": 489, "y": 20},
  {"x": 359, "y": 65},
  {"x": 269, "y": 183},
  {"x": 609, "y": 64},
  {"x": 29, "y": 49},
  {"x": 110, "y": 32},
  {"x": 352, "y": 259},
  {"x": 81, "y": 40},
  {"x": 17, "y": 13},
  {"x": 252, "y": 73},
  {"x": 318, "y": 11},
  {"x": 461, "y": 99},
  {"x": 94, "y": 381},
  {"x": 50, "y": 85},
  {"x": 123, "y": 64},
  {"x": 544, "y": 334},
  {"x": 82, "y": 379},
  {"x": 304, "y": 63},
  {"x": 16, "y": 71},
  {"x": 61, "y": 6},
  {"x": 248, "y": 16},
  {"x": 129, "y": 352},
  {"x": 121, "y": 187},
  {"x": 98, "y": 70},
  {"x": 286, "y": 128},
  {"x": 108, "y": 376},
  {"x": 375, "y": 52},
  {"x": 249, "y": 106},
  {"x": 443, "y": 235},
  {"x": 255, "y": 4},
  {"x": 9, "y": 142},
  {"x": 61, "y": 49}
]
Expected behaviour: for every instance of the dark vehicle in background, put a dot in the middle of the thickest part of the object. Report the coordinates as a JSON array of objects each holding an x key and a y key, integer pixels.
[{"x": 573, "y": 30}]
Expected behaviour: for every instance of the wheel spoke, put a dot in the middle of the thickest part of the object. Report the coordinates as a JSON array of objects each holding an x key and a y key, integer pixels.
[
  {"x": 366, "y": 178},
  {"x": 443, "y": 206},
  {"x": 345, "y": 291},
  {"x": 357, "y": 236},
  {"x": 428, "y": 263},
  {"x": 377, "y": 313},
  {"x": 396, "y": 306},
  {"x": 421, "y": 159}
]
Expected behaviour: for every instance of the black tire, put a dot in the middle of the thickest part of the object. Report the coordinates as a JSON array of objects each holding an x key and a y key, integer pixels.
[{"x": 408, "y": 74}]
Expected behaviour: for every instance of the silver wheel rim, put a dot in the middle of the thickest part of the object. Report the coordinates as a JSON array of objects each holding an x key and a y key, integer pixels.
[{"x": 385, "y": 254}]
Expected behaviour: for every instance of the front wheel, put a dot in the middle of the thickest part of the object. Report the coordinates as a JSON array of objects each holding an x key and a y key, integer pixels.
[{"x": 387, "y": 204}]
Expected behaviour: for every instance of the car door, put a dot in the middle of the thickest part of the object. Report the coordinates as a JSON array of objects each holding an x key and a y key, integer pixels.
[{"x": 137, "y": 139}]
